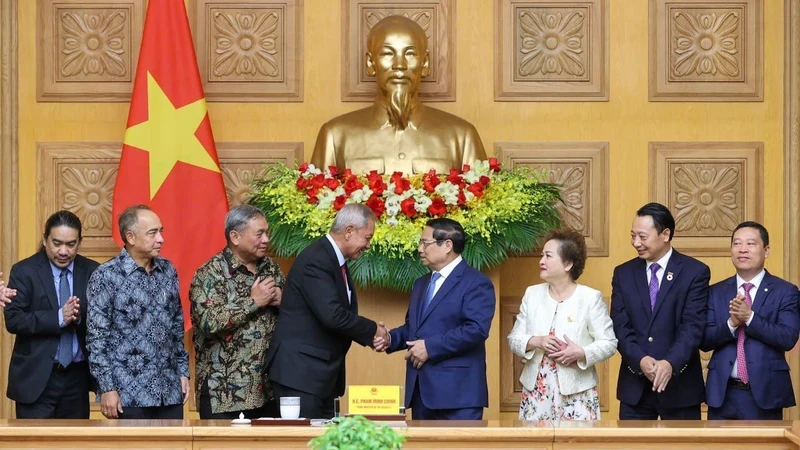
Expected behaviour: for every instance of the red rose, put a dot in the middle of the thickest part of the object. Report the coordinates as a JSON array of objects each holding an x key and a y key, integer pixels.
[
  {"x": 494, "y": 164},
  {"x": 332, "y": 183},
  {"x": 465, "y": 168},
  {"x": 407, "y": 207},
  {"x": 484, "y": 180},
  {"x": 303, "y": 167},
  {"x": 333, "y": 170},
  {"x": 318, "y": 181},
  {"x": 376, "y": 183},
  {"x": 352, "y": 184},
  {"x": 430, "y": 180},
  {"x": 311, "y": 193},
  {"x": 377, "y": 205},
  {"x": 462, "y": 199},
  {"x": 301, "y": 184},
  {"x": 437, "y": 208},
  {"x": 476, "y": 189},
  {"x": 347, "y": 174},
  {"x": 455, "y": 178},
  {"x": 339, "y": 202},
  {"x": 400, "y": 184}
]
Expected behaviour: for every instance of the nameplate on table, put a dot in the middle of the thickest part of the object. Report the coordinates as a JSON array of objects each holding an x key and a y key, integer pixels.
[{"x": 372, "y": 400}]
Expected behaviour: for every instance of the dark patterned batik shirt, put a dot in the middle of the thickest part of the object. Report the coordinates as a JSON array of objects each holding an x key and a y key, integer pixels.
[
  {"x": 135, "y": 332},
  {"x": 231, "y": 333}
]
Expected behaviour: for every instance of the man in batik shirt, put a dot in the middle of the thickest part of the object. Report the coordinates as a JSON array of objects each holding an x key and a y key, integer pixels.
[
  {"x": 135, "y": 326},
  {"x": 235, "y": 298}
]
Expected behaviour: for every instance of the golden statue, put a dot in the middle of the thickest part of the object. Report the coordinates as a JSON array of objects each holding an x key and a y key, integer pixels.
[{"x": 398, "y": 132}]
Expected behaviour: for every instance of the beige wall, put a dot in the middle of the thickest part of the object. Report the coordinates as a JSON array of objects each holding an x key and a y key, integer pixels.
[{"x": 628, "y": 122}]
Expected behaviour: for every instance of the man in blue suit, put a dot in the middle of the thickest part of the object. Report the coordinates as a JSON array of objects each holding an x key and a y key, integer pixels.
[
  {"x": 446, "y": 328},
  {"x": 658, "y": 305},
  {"x": 752, "y": 321}
]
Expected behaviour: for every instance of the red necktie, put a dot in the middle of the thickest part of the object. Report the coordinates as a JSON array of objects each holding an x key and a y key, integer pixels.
[{"x": 741, "y": 361}]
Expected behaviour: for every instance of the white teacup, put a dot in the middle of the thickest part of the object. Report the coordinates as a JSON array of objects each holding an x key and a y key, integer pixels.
[{"x": 290, "y": 407}]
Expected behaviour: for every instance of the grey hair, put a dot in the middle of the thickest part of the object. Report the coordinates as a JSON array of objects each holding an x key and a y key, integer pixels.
[
  {"x": 237, "y": 218},
  {"x": 128, "y": 218},
  {"x": 354, "y": 214}
]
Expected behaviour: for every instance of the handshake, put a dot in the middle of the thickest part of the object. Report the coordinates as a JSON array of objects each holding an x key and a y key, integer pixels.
[{"x": 382, "y": 338}]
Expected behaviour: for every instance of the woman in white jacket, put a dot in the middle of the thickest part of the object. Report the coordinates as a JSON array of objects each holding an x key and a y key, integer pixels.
[{"x": 562, "y": 330}]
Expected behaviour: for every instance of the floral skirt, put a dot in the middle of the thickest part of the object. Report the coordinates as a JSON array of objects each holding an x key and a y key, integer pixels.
[{"x": 545, "y": 402}]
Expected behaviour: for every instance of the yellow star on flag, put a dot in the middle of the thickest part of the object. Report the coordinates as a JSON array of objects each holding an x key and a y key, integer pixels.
[{"x": 169, "y": 135}]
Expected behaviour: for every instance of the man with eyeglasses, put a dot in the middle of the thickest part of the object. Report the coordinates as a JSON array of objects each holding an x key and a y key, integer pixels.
[{"x": 446, "y": 328}]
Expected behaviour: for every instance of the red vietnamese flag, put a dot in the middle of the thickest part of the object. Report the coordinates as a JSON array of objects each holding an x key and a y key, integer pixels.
[{"x": 169, "y": 160}]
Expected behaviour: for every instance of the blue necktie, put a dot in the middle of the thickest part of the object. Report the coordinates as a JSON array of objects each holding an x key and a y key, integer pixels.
[
  {"x": 431, "y": 289},
  {"x": 64, "y": 356}
]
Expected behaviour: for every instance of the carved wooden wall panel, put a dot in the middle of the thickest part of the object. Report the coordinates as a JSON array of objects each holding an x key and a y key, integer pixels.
[
  {"x": 80, "y": 177},
  {"x": 242, "y": 162},
  {"x": 436, "y": 17},
  {"x": 88, "y": 49},
  {"x": 551, "y": 50},
  {"x": 706, "y": 50},
  {"x": 710, "y": 187},
  {"x": 249, "y": 50},
  {"x": 511, "y": 365},
  {"x": 582, "y": 170}
]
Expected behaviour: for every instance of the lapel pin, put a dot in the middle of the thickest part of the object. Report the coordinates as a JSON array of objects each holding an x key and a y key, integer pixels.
[
  {"x": 766, "y": 289},
  {"x": 670, "y": 276}
]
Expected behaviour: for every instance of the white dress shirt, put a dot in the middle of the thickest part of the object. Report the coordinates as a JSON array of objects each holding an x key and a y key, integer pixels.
[
  {"x": 756, "y": 282},
  {"x": 662, "y": 268},
  {"x": 444, "y": 273}
]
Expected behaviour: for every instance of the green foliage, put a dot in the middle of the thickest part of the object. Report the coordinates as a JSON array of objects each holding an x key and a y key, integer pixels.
[{"x": 357, "y": 433}]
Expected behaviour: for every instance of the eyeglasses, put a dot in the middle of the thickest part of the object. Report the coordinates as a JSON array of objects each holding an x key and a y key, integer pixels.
[{"x": 424, "y": 244}]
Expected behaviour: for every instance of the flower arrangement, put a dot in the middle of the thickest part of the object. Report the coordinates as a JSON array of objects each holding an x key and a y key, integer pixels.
[
  {"x": 357, "y": 433},
  {"x": 503, "y": 213}
]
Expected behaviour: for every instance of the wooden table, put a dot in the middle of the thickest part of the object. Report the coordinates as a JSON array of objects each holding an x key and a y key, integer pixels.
[{"x": 219, "y": 435}]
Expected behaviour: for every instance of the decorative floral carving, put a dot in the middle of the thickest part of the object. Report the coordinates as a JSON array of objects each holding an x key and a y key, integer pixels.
[
  {"x": 88, "y": 193},
  {"x": 706, "y": 43},
  {"x": 238, "y": 181},
  {"x": 246, "y": 44},
  {"x": 573, "y": 210},
  {"x": 706, "y": 197},
  {"x": 552, "y": 43},
  {"x": 93, "y": 43}
]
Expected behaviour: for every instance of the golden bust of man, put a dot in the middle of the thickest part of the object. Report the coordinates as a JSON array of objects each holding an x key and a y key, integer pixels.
[{"x": 398, "y": 132}]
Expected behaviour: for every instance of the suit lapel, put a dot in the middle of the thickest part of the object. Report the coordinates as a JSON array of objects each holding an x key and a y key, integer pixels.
[
  {"x": 449, "y": 282},
  {"x": 340, "y": 282},
  {"x": 671, "y": 274},
  {"x": 353, "y": 302},
  {"x": 45, "y": 273},
  {"x": 640, "y": 280},
  {"x": 762, "y": 298}
]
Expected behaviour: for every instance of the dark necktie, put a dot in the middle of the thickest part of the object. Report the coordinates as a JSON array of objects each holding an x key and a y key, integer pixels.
[
  {"x": 64, "y": 355},
  {"x": 653, "y": 285}
]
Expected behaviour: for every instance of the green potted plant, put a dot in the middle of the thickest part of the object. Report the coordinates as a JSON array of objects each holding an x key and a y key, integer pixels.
[{"x": 357, "y": 433}]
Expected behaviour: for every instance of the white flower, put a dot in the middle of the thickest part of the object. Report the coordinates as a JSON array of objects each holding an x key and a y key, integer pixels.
[
  {"x": 468, "y": 195},
  {"x": 361, "y": 195},
  {"x": 391, "y": 221},
  {"x": 312, "y": 170},
  {"x": 422, "y": 204}
]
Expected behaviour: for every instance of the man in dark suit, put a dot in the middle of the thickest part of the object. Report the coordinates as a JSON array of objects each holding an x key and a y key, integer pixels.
[
  {"x": 48, "y": 376},
  {"x": 752, "y": 321},
  {"x": 446, "y": 328},
  {"x": 658, "y": 305},
  {"x": 318, "y": 317}
]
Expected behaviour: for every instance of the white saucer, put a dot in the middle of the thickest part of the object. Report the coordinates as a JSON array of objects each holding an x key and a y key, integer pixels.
[{"x": 240, "y": 422}]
